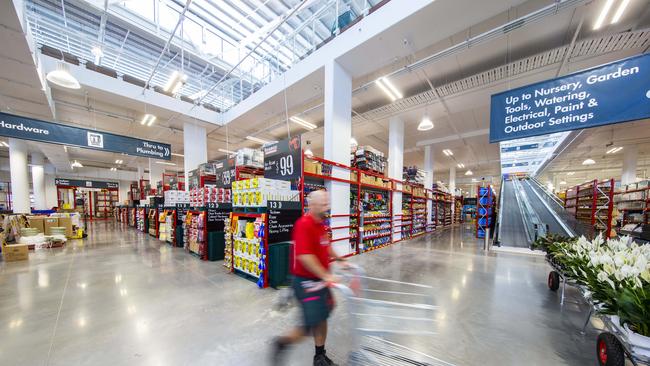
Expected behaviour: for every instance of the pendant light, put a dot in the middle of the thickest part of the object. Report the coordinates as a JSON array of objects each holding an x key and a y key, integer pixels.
[
  {"x": 62, "y": 77},
  {"x": 425, "y": 124}
]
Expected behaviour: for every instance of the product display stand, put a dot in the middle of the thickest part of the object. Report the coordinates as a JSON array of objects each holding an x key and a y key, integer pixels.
[
  {"x": 458, "y": 209},
  {"x": 430, "y": 227},
  {"x": 153, "y": 221},
  {"x": 418, "y": 210},
  {"x": 486, "y": 201},
  {"x": 633, "y": 203}
]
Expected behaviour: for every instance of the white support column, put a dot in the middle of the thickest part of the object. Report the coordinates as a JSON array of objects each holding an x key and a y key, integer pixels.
[
  {"x": 452, "y": 189},
  {"x": 38, "y": 181},
  {"x": 338, "y": 131},
  {"x": 155, "y": 172},
  {"x": 630, "y": 154},
  {"x": 428, "y": 179},
  {"x": 195, "y": 143},
  {"x": 396, "y": 164},
  {"x": 19, "y": 179}
]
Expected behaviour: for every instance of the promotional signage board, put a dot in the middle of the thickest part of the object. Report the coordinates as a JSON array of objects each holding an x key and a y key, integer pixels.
[
  {"x": 225, "y": 172},
  {"x": 85, "y": 183},
  {"x": 282, "y": 216},
  {"x": 36, "y": 130},
  {"x": 283, "y": 159},
  {"x": 608, "y": 94}
]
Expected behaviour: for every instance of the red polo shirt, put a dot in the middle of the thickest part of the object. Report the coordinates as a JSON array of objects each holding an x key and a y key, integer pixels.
[{"x": 309, "y": 237}]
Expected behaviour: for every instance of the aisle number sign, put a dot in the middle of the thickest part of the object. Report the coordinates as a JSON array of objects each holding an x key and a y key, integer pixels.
[
  {"x": 36, "y": 130},
  {"x": 608, "y": 94}
]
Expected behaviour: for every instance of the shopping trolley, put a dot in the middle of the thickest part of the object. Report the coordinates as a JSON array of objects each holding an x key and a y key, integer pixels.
[{"x": 383, "y": 316}]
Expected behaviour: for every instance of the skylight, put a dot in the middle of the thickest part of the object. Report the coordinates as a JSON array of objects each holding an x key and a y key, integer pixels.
[{"x": 529, "y": 154}]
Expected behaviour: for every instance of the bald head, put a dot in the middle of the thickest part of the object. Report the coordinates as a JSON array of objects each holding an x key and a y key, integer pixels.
[{"x": 319, "y": 203}]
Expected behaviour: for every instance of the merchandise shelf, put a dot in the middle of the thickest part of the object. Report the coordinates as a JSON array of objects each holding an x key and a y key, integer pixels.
[
  {"x": 592, "y": 203},
  {"x": 633, "y": 202}
]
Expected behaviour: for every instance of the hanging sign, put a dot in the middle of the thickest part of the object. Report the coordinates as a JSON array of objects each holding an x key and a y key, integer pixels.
[
  {"x": 608, "y": 94},
  {"x": 216, "y": 215},
  {"x": 36, "y": 130},
  {"x": 283, "y": 159},
  {"x": 85, "y": 183},
  {"x": 225, "y": 172},
  {"x": 282, "y": 216}
]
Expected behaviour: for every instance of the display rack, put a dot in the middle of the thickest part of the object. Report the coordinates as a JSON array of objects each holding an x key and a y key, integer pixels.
[
  {"x": 458, "y": 209},
  {"x": 419, "y": 211},
  {"x": 196, "y": 232},
  {"x": 406, "y": 225},
  {"x": 485, "y": 204},
  {"x": 142, "y": 220},
  {"x": 152, "y": 224},
  {"x": 633, "y": 203},
  {"x": 431, "y": 212},
  {"x": 250, "y": 246},
  {"x": 592, "y": 203}
]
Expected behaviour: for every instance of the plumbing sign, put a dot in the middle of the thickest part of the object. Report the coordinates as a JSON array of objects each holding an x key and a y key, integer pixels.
[
  {"x": 36, "y": 130},
  {"x": 607, "y": 94}
]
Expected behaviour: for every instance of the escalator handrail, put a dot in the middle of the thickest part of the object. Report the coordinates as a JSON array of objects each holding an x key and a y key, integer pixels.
[
  {"x": 497, "y": 237},
  {"x": 532, "y": 223},
  {"x": 556, "y": 215},
  {"x": 552, "y": 196}
]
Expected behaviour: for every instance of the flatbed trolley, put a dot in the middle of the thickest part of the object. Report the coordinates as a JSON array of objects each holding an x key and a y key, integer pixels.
[{"x": 379, "y": 316}]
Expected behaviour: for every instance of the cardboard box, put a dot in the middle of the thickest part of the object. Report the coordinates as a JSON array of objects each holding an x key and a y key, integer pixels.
[
  {"x": 37, "y": 222},
  {"x": 312, "y": 167},
  {"x": 49, "y": 223},
  {"x": 66, "y": 222},
  {"x": 15, "y": 252}
]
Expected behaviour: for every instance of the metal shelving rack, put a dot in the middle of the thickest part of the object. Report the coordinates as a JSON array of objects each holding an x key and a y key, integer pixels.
[{"x": 592, "y": 203}]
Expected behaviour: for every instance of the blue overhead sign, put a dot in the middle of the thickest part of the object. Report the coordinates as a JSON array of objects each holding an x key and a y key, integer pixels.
[
  {"x": 612, "y": 93},
  {"x": 36, "y": 130},
  {"x": 519, "y": 148}
]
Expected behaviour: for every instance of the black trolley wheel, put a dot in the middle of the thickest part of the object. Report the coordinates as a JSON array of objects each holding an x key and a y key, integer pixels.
[
  {"x": 553, "y": 280},
  {"x": 609, "y": 350}
]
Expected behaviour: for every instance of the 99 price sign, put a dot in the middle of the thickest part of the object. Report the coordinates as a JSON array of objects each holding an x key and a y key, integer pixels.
[{"x": 283, "y": 159}]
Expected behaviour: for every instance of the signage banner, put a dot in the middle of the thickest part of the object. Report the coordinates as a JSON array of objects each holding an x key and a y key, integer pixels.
[
  {"x": 608, "y": 94},
  {"x": 225, "y": 172},
  {"x": 519, "y": 148},
  {"x": 36, "y": 130},
  {"x": 283, "y": 159},
  {"x": 282, "y": 217},
  {"x": 86, "y": 183}
]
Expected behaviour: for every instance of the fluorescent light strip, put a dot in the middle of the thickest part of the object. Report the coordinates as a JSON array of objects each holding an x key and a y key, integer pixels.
[
  {"x": 603, "y": 14},
  {"x": 614, "y": 150},
  {"x": 165, "y": 163},
  {"x": 460, "y": 165},
  {"x": 302, "y": 122},
  {"x": 385, "y": 90},
  {"x": 392, "y": 88},
  {"x": 175, "y": 82},
  {"x": 119, "y": 161},
  {"x": 226, "y": 151},
  {"x": 179, "y": 155},
  {"x": 619, "y": 11},
  {"x": 148, "y": 120},
  {"x": 257, "y": 139},
  {"x": 447, "y": 152},
  {"x": 4, "y": 144}
]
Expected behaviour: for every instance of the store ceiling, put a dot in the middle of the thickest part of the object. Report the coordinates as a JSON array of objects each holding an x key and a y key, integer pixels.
[{"x": 461, "y": 122}]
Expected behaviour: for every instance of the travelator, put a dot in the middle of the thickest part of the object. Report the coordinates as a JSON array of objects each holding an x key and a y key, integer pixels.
[{"x": 527, "y": 211}]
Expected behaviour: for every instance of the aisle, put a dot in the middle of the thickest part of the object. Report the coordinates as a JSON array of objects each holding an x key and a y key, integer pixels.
[{"x": 123, "y": 298}]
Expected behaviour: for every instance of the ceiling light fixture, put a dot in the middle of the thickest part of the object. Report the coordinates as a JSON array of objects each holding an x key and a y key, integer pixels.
[
  {"x": 98, "y": 53},
  {"x": 460, "y": 165},
  {"x": 469, "y": 172},
  {"x": 119, "y": 161},
  {"x": 148, "y": 120},
  {"x": 614, "y": 150},
  {"x": 62, "y": 77},
  {"x": 303, "y": 123},
  {"x": 619, "y": 11},
  {"x": 353, "y": 142},
  {"x": 179, "y": 155},
  {"x": 562, "y": 182},
  {"x": 589, "y": 162},
  {"x": 474, "y": 180},
  {"x": 257, "y": 139},
  {"x": 425, "y": 124},
  {"x": 226, "y": 151},
  {"x": 165, "y": 163},
  {"x": 4, "y": 144},
  {"x": 388, "y": 88},
  {"x": 603, "y": 14},
  {"x": 113, "y": 169},
  {"x": 175, "y": 82},
  {"x": 199, "y": 94},
  {"x": 76, "y": 164},
  {"x": 570, "y": 173},
  {"x": 448, "y": 152}
]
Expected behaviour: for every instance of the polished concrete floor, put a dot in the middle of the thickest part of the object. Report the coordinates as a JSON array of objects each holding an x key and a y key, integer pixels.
[{"x": 122, "y": 298}]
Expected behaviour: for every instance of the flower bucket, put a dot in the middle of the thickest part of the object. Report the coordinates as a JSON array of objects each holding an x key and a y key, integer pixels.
[{"x": 639, "y": 345}]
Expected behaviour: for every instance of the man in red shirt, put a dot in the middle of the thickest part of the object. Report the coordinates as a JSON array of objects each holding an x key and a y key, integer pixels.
[{"x": 311, "y": 269}]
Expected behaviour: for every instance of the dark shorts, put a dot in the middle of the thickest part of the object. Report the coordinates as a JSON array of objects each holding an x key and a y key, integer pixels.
[{"x": 315, "y": 299}]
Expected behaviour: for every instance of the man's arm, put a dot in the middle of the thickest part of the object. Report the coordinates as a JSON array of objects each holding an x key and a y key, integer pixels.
[{"x": 312, "y": 264}]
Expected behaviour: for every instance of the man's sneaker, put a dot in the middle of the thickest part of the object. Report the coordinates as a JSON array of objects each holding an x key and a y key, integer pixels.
[
  {"x": 323, "y": 360},
  {"x": 278, "y": 353}
]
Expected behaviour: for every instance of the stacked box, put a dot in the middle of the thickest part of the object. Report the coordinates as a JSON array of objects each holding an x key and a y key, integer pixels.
[
  {"x": 369, "y": 158},
  {"x": 172, "y": 197},
  {"x": 257, "y": 191},
  {"x": 249, "y": 157},
  {"x": 209, "y": 194}
]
